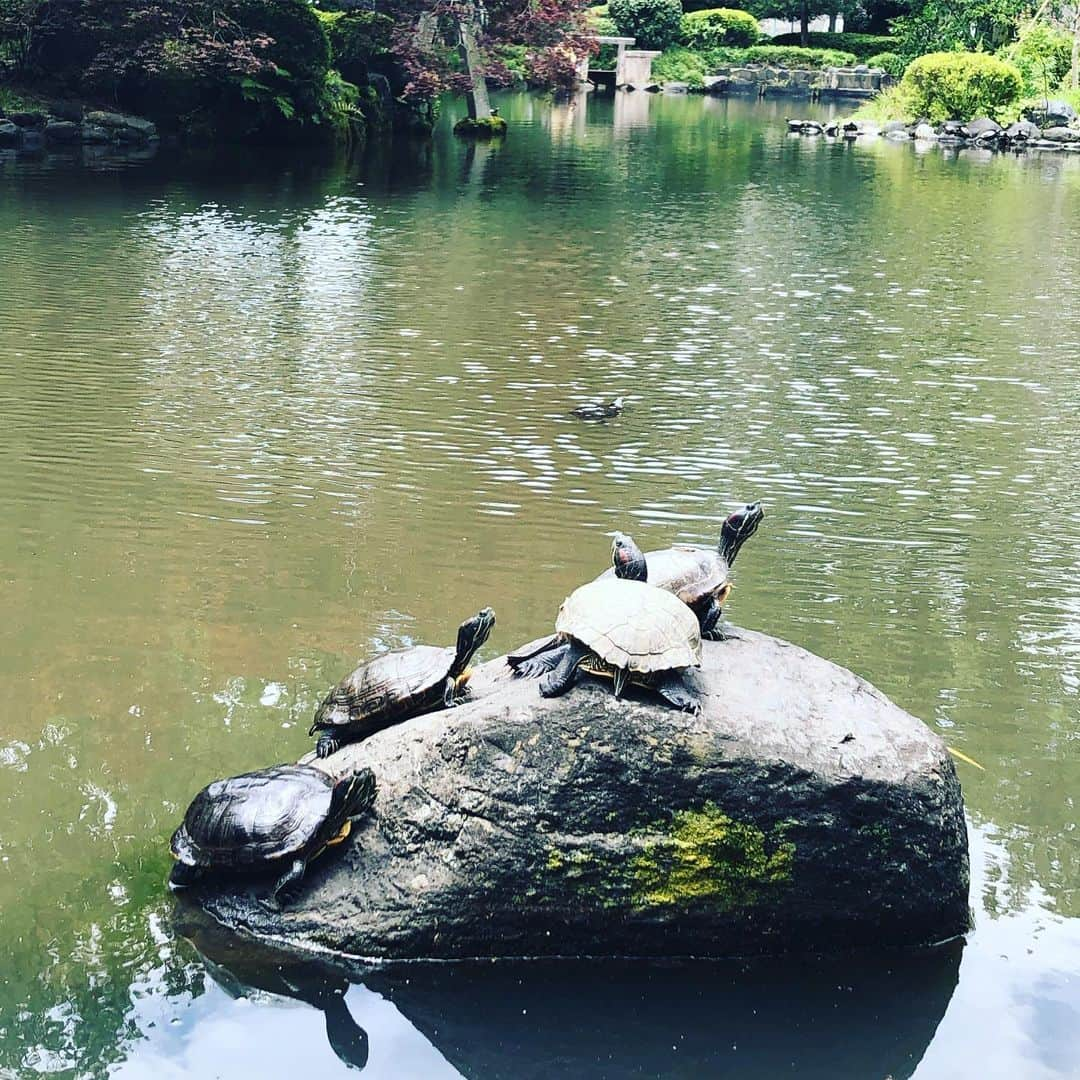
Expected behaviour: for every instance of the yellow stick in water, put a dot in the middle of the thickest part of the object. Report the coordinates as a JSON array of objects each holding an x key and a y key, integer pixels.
[{"x": 964, "y": 757}]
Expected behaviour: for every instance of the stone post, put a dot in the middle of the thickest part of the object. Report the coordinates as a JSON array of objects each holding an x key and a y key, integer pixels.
[{"x": 477, "y": 98}]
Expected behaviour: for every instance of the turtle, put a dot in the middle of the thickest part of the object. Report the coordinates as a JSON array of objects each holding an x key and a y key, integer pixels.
[
  {"x": 983, "y": 129},
  {"x": 596, "y": 410},
  {"x": 263, "y": 821},
  {"x": 700, "y": 577},
  {"x": 622, "y": 628},
  {"x": 398, "y": 685}
]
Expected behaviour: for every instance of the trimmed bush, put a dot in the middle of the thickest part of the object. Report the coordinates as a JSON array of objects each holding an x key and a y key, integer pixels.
[
  {"x": 892, "y": 62},
  {"x": 791, "y": 56},
  {"x": 655, "y": 24},
  {"x": 719, "y": 26},
  {"x": 959, "y": 86},
  {"x": 862, "y": 45},
  {"x": 679, "y": 64},
  {"x": 1042, "y": 55}
]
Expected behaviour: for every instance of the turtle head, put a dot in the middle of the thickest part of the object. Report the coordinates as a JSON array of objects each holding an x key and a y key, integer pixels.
[
  {"x": 470, "y": 636},
  {"x": 627, "y": 559},
  {"x": 738, "y": 528},
  {"x": 356, "y": 793}
]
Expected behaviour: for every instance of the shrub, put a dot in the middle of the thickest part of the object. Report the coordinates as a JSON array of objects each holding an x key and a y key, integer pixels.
[
  {"x": 794, "y": 57},
  {"x": 891, "y": 104},
  {"x": 862, "y": 45},
  {"x": 719, "y": 26},
  {"x": 959, "y": 86},
  {"x": 892, "y": 62},
  {"x": 655, "y": 24},
  {"x": 355, "y": 38},
  {"x": 679, "y": 64},
  {"x": 1042, "y": 55},
  {"x": 250, "y": 65}
]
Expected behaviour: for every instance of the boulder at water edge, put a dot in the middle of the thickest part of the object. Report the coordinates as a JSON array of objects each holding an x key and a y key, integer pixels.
[{"x": 800, "y": 810}]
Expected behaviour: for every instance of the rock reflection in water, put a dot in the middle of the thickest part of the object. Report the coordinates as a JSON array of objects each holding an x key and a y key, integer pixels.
[{"x": 863, "y": 1016}]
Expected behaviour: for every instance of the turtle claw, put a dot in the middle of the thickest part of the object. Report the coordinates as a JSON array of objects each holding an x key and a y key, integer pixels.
[{"x": 326, "y": 745}]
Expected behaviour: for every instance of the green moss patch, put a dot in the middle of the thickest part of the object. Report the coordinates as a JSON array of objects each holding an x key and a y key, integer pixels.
[
  {"x": 484, "y": 127},
  {"x": 700, "y": 858},
  {"x": 708, "y": 857}
]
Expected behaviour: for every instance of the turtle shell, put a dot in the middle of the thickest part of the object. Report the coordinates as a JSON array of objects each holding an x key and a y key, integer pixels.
[
  {"x": 691, "y": 573},
  {"x": 633, "y": 625},
  {"x": 258, "y": 817},
  {"x": 389, "y": 688}
]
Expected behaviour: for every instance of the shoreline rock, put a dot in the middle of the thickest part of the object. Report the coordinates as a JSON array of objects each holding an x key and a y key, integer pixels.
[{"x": 801, "y": 810}]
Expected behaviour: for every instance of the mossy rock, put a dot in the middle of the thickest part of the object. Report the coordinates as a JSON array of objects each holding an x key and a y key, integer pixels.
[
  {"x": 800, "y": 810},
  {"x": 483, "y": 127}
]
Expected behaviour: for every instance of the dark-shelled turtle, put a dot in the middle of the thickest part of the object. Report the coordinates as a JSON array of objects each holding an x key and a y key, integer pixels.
[
  {"x": 598, "y": 410},
  {"x": 266, "y": 821},
  {"x": 399, "y": 685},
  {"x": 625, "y": 629},
  {"x": 700, "y": 577}
]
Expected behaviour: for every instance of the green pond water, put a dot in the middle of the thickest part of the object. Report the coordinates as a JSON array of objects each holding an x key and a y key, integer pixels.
[{"x": 263, "y": 417}]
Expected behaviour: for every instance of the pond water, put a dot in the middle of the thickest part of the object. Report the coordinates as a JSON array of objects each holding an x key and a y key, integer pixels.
[{"x": 261, "y": 419}]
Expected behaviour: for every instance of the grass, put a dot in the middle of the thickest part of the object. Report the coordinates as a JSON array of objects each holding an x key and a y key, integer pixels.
[{"x": 15, "y": 100}]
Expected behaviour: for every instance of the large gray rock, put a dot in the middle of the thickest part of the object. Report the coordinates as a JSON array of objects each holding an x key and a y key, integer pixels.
[
  {"x": 10, "y": 134},
  {"x": 1062, "y": 135},
  {"x": 62, "y": 131},
  {"x": 800, "y": 810}
]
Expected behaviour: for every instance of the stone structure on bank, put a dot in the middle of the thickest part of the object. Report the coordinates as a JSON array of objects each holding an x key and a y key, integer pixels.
[
  {"x": 35, "y": 129},
  {"x": 1052, "y": 125},
  {"x": 800, "y": 810}
]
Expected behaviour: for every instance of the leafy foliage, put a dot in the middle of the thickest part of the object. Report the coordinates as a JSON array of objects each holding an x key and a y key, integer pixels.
[
  {"x": 655, "y": 24},
  {"x": 172, "y": 57},
  {"x": 892, "y": 62},
  {"x": 793, "y": 56},
  {"x": 1042, "y": 55},
  {"x": 680, "y": 64},
  {"x": 356, "y": 38},
  {"x": 862, "y": 45},
  {"x": 976, "y": 25},
  {"x": 719, "y": 26},
  {"x": 960, "y": 86}
]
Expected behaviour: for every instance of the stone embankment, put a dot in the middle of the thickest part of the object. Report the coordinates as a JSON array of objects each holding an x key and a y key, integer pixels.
[
  {"x": 800, "y": 810},
  {"x": 1053, "y": 126},
  {"x": 37, "y": 129},
  {"x": 769, "y": 80}
]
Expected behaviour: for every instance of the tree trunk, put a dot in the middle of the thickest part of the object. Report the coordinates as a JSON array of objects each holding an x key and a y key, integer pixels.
[
  {"x": 832, "y": 22},
  {"x": 804, "y": 23},
  {"x": 477, "y": 98},
  {"x": 1076, "y": 53}
]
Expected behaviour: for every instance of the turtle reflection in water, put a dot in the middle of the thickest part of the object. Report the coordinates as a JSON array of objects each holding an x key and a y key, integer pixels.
[
  {"x": 265, "y": 822},
  {"x": 243, "y": 969},
  {"x": 622, "y": 628},
  {"x": 700, "y": 577},
  {"x": 399, "y": 685}
]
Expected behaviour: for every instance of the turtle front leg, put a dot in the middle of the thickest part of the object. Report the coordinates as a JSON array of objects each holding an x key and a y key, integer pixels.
[
  {"x": 713, "y": 627},
  {"x": 564, "y": 675},
  {"x": 541, "y": 662},
  {"x": 328, "y": 744},
  {"x": 184, "y": 875},
  {"x": 671, "y": 687},
  {"x": 285, "y": 888}
]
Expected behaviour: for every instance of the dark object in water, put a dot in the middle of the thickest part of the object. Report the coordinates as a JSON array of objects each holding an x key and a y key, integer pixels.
[{"x": 596, "y": 410}]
